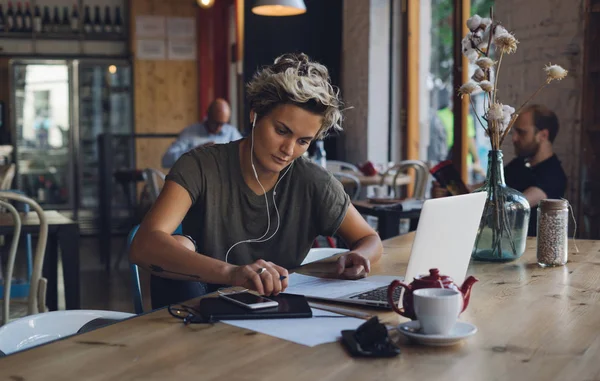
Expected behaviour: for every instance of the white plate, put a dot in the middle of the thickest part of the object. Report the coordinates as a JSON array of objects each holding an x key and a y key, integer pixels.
[
  {"x": 33, "y": 330},
  {"x": 460, "y": 331}
]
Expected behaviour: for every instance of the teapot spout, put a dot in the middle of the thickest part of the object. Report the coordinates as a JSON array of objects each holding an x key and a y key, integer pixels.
[{"x": 465, "y": 289}]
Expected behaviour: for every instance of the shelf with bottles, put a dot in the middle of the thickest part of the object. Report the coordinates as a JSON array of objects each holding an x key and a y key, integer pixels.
[{"x": 17, "y": 22}]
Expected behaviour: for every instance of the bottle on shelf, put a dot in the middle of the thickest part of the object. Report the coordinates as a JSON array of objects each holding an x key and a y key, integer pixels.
[
  {"x": 2, "y": 20},
  {"x": 66, "y": 21},
  {"x": 41, "y": 193},
  {"x": 37, "y": 20},
  {"x": 46, "y": 21},
  {"x": 18, "y": 18},
  {"x": 75, "y": 19},
  {"x": 320, "y": 154},
  {"x": 108, "y": 25},
  {"x": 56, "y": 21},
  {"x": 87, "y": 21},
  {"x": 27, "y": 19},
  {"x": 10, "y": 18},
  {"x": 97, "y": 20},
  {"x": 118, "y": 26}
]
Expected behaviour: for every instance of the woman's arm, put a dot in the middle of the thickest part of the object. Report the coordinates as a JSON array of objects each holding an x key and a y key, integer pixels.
[
  {"x": 155, "y": 249},
  {"x": 364, "y": 243}
]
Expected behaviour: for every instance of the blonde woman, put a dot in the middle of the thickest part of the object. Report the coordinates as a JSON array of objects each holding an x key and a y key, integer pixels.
[{"x": 251, "y": 209}]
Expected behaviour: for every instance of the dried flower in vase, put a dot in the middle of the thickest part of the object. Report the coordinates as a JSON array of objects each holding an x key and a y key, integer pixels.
[{"x": 485, "y": 37}]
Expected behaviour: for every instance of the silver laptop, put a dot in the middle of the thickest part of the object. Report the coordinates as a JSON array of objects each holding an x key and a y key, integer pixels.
[{"x": 444, "y": 239}]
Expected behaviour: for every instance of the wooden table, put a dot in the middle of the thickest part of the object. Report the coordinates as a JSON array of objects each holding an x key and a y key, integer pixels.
[
  {"x": 63, "y": 234},
  {"x": 534, "y": 324},
  {"x": 388, "y": 220}
]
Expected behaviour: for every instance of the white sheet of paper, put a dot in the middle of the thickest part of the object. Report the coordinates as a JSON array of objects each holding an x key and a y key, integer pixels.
[
  {"x": 320, "y": 329},
  {"x": 323, "y": 287}
]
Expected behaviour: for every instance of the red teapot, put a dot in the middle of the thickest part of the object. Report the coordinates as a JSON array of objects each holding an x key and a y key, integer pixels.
[{"x": 433, "y": 280}]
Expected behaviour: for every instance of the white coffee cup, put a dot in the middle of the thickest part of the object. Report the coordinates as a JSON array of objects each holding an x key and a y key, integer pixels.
[{"x": 437, "y": 309}]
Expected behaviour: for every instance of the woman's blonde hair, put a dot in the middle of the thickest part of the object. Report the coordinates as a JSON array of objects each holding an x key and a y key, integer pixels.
[{"x": 295, "y": 79}]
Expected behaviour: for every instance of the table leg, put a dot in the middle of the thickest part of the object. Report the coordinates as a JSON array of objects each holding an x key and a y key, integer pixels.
[
  {"x": 50, "y": 271},
  {"x": 68, "y": 240},
  {"x": 388, "y": 225}
]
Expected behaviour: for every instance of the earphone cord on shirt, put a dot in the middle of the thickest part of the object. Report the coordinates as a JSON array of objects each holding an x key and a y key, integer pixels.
[{"x": 260, "y": 239}]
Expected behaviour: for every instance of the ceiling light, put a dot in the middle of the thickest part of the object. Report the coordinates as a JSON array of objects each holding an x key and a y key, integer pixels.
[{"x": 279, "y": 7}]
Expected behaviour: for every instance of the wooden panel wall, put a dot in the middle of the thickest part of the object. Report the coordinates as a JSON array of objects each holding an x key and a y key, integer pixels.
[{"x": 166, "y": 92}]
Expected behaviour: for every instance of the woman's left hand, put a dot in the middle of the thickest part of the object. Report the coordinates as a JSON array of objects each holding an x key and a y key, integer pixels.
[{"x": 353, "y": 266}]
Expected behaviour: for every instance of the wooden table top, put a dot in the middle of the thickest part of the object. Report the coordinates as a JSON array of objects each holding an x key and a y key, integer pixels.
[
  {"x": 31, "y": 219},
  {"x": 534, "y": 324}
]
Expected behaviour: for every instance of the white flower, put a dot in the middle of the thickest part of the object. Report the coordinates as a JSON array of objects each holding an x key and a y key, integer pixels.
[
  {"x": 507, "y": 113},
  {"x": 485, "y": 62},
  {"x": 484, "y": 40},
  {"x": 506, "y": 42},
  {"x": 495, "y": 112},
  {"x": 477, "y": 37},
  {"x": 467, "y": 88},
  {"x": 555, "y": 72},
  {"x": 474, "y": 22},
  {"x": 466, "y": 43},
  {"x": 486, "y": 86},
  {"x": 471, "y": 55},
  {"x": 486, "y": 21},
  {"x": 478, "y": 76},
  {"x": 499, "y": 30}
]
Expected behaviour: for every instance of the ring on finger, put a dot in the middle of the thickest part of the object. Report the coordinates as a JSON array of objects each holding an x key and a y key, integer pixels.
[{"x": 261, "y": 270}]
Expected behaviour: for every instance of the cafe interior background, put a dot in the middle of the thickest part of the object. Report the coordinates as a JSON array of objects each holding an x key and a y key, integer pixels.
[{"x": 92, "y": 90}]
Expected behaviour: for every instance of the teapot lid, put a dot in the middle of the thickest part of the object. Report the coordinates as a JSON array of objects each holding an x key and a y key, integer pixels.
[{"x": 434, "y": 276}]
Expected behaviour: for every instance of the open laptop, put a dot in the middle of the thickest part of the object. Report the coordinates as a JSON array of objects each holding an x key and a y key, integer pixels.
[{"x": 444, "y": 239}]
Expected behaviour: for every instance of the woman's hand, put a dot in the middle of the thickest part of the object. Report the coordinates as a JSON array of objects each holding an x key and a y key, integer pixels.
[
  {"x": 265, "y": 282},
  {"x": 353, "y": 266}
]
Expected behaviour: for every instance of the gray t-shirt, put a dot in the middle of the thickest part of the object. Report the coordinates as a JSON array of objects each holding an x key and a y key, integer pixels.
[{"x": 225, "y": 210}]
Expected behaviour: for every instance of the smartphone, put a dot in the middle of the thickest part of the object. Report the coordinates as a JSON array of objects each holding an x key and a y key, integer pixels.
[{"x": 250, "y": 301}]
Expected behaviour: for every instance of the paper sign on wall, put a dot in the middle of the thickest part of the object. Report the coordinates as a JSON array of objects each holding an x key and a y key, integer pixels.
[
  {"x": 151, "y": 50},
  {"x": 150, "y": 26},
  {"x": 181, "y": 27},
  {"x": 182, "y": 50}
]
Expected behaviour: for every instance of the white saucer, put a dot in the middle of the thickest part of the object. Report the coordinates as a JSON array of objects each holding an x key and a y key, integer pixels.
[{"x": 460, "y": 331}]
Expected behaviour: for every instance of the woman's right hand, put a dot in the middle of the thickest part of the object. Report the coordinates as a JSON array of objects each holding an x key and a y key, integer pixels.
[{"x": 267, "y": 282}]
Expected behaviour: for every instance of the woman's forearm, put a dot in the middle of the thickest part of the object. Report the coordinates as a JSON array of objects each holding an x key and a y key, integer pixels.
[
  {"x": 161, "y": 254},
  {"x": 369, "y": 247}
]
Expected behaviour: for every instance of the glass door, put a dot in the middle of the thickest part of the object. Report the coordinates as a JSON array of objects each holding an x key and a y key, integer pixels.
[
  {"x": 105, "y": 105},
  {"x": 42, "y": 121}
]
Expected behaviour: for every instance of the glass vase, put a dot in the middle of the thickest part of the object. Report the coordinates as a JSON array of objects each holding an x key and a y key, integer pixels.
[{"x": 502, "y": 232}]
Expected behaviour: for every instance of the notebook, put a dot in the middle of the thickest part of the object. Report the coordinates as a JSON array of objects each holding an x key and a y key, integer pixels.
[{"x": 290, "y": 306}]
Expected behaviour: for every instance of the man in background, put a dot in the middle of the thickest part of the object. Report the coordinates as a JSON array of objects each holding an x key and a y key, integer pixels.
[
  {"x": 536, "y": 171},
  {"x": 214, "y": 130}
]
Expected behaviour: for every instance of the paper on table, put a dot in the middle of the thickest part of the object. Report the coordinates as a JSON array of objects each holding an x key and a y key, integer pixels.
[
  {"x": 323, "y": 327},
  {"x": 325, "y": 287}
]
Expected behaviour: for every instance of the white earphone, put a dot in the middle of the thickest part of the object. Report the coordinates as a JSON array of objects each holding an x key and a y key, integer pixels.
[{"x": 260, "y": 239}]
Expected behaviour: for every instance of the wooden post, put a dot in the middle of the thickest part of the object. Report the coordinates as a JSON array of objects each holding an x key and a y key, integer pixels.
[
  {"x": 462, "y": 9},
  {"x": 410, "y": 88}
]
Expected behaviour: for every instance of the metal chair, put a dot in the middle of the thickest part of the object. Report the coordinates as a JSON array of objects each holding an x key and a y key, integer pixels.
[
  {"x": 138, "y": 305},
  {"x": 151, "y": 178},
  {"x": 422, "y": 174},
  {"x": 36, "y": 302},
  {"x": 354, "y": 179},
  {"x": 340, "y": 166},
  {"x": 11, "y": 260}
]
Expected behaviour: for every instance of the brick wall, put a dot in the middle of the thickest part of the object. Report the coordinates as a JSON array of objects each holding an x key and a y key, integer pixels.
[{"x": 548, "y": 31}]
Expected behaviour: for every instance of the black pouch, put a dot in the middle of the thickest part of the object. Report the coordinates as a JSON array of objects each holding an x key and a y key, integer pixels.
[{"x": 371, "y": 339}]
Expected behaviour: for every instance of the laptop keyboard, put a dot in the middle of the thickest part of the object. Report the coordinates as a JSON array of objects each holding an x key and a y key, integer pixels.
[{"x": 378, "y": 294}]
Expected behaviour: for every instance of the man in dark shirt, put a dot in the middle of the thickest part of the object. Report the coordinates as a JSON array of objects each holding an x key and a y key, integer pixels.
[{"x": 536, "y": 171}]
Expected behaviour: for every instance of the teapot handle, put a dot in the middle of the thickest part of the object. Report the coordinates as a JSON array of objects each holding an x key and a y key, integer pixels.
[{"x": 390, "y": 296}]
